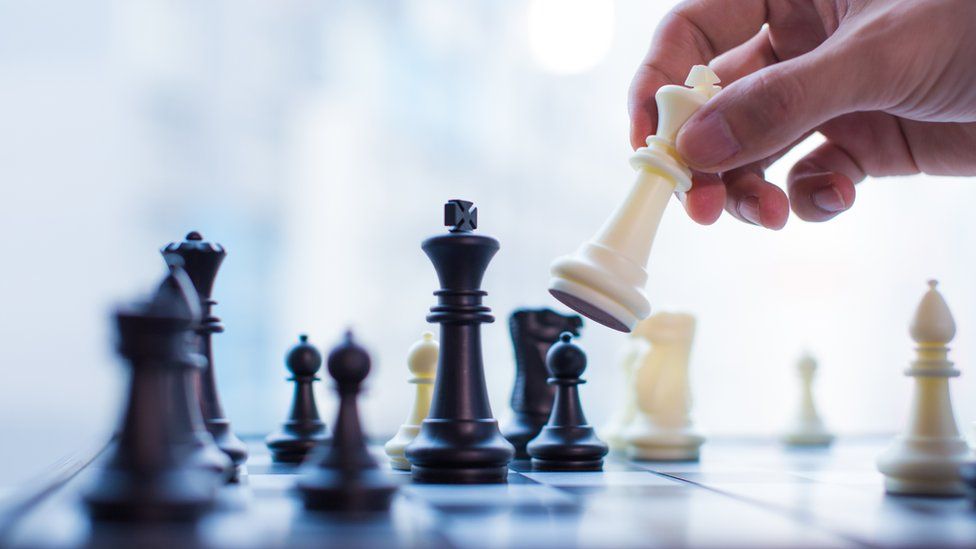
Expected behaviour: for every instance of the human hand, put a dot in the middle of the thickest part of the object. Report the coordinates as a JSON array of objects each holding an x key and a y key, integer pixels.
[{"x": 889, "y": 83}]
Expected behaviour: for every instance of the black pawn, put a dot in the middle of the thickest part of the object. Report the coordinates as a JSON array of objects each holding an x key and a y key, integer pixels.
[
  {"x": 567, "y": 442},
  {"x": 459, "y": 442},
  {"x": 533, "y": 332},
  {"x": 343, "y": 476},
  {"x": 201, "y": 260},
  {"x": 153, "y": 472},
  {"x": 304, "y": 429}
]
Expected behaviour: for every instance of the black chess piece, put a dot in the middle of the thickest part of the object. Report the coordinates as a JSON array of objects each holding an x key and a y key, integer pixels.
[
  {"x": 567, "y": 442},
  {"x": 201, "y": 260},
  {"x": 153, "y": 471},
  {"x": 459, "y": 442},
  {"x": 533, "y": 332},
  {"x": 303, "y": 430},
  {"x": 968, "y": 474},
  {"x": 342, "y": 475}
]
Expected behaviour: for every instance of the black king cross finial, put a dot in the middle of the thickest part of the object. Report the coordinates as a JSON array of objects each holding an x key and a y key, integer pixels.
[{"x": 459, "y": 216}]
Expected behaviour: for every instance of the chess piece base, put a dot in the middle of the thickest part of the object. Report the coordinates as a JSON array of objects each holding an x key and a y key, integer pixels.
[
  {"x": 327, "y": 490},
  {"x": 455, "y": 451},
  {"x": 227, "y": 441},
  {"x": 924, "y": 466},
  {"x": 679, "y": 445},
  {"x": 176, "y": 496},
  {"x": 522, "y": 429},
  {"x": 562, "y": 465},
  {"x": 808, "y": 439},
  {"x": 396, "y": 446},
  {"x": 567, "y": 449},
  {"x": 459, "y": 475},
  {"x": 293, "y": 443}
]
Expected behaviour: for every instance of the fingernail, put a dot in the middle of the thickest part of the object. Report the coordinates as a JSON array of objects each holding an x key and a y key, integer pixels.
[
  {"x": 829, "y": 200},
  {"x": 708, "y": 142},
  {"x": 748, "y": 209}
]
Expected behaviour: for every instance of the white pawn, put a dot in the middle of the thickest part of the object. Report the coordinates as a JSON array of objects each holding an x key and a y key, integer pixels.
[
  {"x": 422, "y": 362},
  {"x": 925, "y": 459},
  {"x": 807, "y": 428},
  {"x": 615, "y": 429},
  {"x": 663, "y": 430}
]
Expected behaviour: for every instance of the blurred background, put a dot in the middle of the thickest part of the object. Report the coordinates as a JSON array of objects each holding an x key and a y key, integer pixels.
[{"x": 317, "y": 141}]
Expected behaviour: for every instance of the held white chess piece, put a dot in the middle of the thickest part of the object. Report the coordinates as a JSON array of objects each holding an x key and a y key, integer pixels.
[
  {"x": 422, "y": 362},
  {"x": 663, "y": 429},
  {"x": 614, "y": 430},
  {"x": 605, "y": 279},
  {"x": 807, "y": 428},
  {"x": 925, "y": 459}
]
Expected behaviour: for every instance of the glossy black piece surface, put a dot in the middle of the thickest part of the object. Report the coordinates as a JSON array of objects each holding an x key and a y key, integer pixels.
[
  {"x": 567, "y": 442},
  {"x": 533, "y": 332},
  {"x": 303, "y": 430},
  {"x": 342, "y": 475},
  {"x": 459, "y": 442},
  {"x": 157, "y": 470},
  {"x": 202, "y": 260}
]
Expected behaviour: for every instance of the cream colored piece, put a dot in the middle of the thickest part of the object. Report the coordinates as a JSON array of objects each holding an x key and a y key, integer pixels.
[
  {"x": 663, "y": 429},
  {"x": 614, "y": 430},
  {"x": 925, "y": 459},
  {"x": 807, "y": 428},
  {"x": 422, "y": 362},
  {"x": 605, "y": 279}
]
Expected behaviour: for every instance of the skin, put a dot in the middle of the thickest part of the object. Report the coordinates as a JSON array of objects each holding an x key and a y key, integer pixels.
[{"x": 890, "y": 84}]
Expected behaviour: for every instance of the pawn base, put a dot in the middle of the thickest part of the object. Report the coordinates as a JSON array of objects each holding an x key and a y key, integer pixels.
[
  {"x": 811, "y": 439},
  {"x": 560, "y": 465},
  {"x": 293, "y": 445},
  {"x": 329, "y": 491},
  {"x": 469, "y": 475}
]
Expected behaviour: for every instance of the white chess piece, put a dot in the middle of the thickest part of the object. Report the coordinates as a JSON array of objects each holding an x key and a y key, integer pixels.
[
  {"x": 663, "y": 429},
  {"x": 605, "y": 279},
  {"x": 422, "y": 362},
  {"x": 925, "y": 459},
  {"x": 614, "y": 430},
  {"x": 807, "y": 428}
]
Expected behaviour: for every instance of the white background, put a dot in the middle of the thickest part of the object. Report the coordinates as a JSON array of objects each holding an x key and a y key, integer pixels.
[{"x": 317, "y": 143}]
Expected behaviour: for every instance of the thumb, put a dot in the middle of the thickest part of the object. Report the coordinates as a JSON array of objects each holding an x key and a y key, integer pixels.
[{"x": 766, "y": 111}]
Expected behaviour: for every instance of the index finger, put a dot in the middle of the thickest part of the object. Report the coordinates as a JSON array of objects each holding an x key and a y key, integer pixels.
[{"x": 693, "y": 33}]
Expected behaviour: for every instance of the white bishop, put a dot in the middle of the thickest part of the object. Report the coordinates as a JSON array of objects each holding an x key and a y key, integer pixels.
[{"x": 925, "y": 459}]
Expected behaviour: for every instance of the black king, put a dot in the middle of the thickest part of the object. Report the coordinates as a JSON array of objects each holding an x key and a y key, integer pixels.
[{"x": 459, "y": 442}]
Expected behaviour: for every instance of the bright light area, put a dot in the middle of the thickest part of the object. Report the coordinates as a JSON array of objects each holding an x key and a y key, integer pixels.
[{"x": 570, "y": 36}]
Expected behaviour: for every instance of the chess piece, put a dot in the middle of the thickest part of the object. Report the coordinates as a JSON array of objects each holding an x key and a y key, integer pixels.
[
  {"x": 807, "y": 428},
  {"x": 155, "y": 470},
  {"x": 459, "y": 442},
  {"x": 533, "y": 332},
  {"x": 567, "y": 442},
  {"x": 422, "y": 362},
  {"x": 614, "y": 430},
  {"x": 303, "y": 430},
  {"x": 201, "y": 260},
  {"x": 926, "y": 458},
  {"x": 663, "y": 430},
  {"x": 342, "y": 475},
  {"x": 604, "y": 280}
]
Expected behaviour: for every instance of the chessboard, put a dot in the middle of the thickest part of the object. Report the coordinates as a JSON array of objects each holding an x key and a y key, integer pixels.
[{"x": 746, "y": 493}]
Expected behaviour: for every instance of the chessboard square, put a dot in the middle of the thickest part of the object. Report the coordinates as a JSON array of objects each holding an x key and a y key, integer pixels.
[{"x": 610, "y": 478}]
